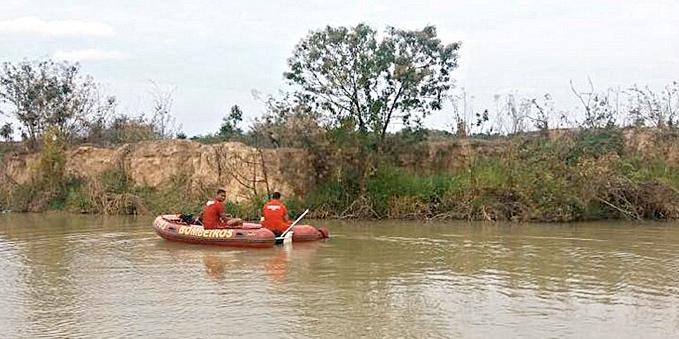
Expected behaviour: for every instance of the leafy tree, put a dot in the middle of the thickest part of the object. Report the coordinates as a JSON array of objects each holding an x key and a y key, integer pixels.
[
  {"x": 229, "y": 127},
  {"x": 47, "y": 94},
  {"x": 6, "y": 131},
  {"x": 354, "y": 77}
]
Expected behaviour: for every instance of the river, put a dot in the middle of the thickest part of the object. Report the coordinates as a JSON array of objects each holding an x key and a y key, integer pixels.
[{"x": 104, "y": 277}]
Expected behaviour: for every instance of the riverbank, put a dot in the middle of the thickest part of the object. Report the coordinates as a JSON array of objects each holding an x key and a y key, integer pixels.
[{"x": 561, "y": 176}]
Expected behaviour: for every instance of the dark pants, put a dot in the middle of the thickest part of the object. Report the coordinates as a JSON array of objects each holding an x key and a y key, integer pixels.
[{"x": 278, "y": 234}]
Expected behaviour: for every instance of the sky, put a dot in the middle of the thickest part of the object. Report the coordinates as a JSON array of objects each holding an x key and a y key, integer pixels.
[{"x": 214, "y": 54}]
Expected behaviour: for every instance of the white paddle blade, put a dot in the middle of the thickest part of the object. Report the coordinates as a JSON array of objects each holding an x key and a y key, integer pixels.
[{"x": 288, "y": 238}]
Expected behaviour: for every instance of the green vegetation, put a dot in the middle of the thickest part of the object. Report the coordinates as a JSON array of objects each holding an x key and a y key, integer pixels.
[
  {"x": 533, "y": 179},
  {"x": 347, "y": 88},
  {"x": 546, "y": 184},
  {"x": 54, "y": 96}
]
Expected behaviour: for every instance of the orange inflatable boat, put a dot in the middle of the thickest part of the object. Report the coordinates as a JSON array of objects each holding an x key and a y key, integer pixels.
[{"x": 171, "y": 227}]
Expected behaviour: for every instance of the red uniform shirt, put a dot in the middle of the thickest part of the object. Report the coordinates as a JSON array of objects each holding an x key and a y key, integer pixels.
[
  {"x": 213, "y": 209},
  {"x": 274, "y": 213}
]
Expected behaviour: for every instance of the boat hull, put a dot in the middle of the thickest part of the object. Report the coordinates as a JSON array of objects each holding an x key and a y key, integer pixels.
[
  {"x": 170, "y": 227},
  {"x": 302, "y": 233}
]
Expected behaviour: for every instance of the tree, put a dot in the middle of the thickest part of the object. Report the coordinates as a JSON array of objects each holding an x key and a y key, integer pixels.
[
  {"x": 351, "y": 76},
  {"x": 229, "y": 127},
  {"x": 286, "y": 123},
  {"x": 46, "y": 94},
  {"x": 6, "y": 131},
  {"x": 163, "y": 122}
]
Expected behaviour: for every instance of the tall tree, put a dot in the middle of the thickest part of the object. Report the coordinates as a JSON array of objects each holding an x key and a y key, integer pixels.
[{"x": 353, "y": 75}]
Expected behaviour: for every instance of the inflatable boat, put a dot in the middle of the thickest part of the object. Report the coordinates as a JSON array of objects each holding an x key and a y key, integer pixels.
[
  {"x": 308, "y": 233},
  {"x": 171, "y": 227}
]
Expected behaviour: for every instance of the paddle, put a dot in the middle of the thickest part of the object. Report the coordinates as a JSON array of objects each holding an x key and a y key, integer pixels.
[{"x": 293, "y": 224}]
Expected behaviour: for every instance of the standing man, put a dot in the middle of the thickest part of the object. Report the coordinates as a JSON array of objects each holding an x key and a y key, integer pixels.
[
  {"x": 213, "y": 215},
  {"x": 275, "y": 215}
]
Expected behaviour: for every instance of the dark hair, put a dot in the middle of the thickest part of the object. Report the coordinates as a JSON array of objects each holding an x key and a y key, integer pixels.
[
  {"x": 276, "y": 195},
  {"x": 220, "y": 191}
]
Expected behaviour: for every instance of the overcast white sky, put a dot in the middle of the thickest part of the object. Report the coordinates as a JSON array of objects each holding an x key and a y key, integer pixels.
[{"x": 214, "y": 53}]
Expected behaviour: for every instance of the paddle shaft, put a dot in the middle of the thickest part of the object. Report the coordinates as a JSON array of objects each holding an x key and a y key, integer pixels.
[{"x": 293, "y": 224}]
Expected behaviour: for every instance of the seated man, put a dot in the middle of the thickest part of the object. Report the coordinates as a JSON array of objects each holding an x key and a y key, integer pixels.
[
  {"x": 275, "y": 215},
  {"x": 213, "y": 214}
]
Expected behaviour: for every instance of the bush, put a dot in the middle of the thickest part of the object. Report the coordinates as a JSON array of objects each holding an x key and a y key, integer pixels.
[{"x": 596, "y": 143}]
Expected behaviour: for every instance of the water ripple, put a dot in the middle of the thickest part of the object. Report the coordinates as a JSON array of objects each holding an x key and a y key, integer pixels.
[{"x": 92, "y": 277}]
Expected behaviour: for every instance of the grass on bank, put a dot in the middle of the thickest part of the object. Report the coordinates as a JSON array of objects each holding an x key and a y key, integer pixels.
[{"x": 583, "y": 178}]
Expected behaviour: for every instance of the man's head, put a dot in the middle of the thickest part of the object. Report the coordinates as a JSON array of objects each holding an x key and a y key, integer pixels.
[
  {"x": 221, "y": 195},
  {"x": 276, "y": 195}
]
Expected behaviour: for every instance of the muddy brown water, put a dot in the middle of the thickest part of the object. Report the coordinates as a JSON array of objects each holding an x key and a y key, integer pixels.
[{"x": 105, "y": 277}]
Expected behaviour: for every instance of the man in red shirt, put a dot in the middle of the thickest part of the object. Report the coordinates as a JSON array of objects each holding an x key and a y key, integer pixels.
[
  {"x": 275, "y": 215},
  {"x": 213, "y": 215}
]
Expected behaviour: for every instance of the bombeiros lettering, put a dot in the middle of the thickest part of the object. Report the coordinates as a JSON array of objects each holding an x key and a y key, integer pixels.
[{"x": 199, "y": 232}]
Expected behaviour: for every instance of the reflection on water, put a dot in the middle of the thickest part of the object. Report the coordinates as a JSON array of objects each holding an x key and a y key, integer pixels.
[{"x": 85, "y": 276}]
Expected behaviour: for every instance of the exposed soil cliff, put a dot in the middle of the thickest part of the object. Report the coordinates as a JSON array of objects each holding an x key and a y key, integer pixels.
[
  {"x": 244, "y": 170},
  {"x": 239, "y": 169}
]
